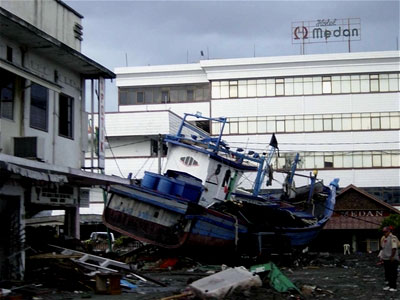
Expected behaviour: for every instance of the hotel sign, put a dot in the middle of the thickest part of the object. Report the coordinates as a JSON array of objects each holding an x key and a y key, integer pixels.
[{"x": 326, "y": 30}]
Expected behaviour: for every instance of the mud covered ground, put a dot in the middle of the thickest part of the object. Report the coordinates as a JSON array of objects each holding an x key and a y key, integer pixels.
[{"x": 318, "y": 276}]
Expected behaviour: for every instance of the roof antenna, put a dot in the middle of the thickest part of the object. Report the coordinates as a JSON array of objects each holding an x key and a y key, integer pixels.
[{"x": 126, "y": 59}]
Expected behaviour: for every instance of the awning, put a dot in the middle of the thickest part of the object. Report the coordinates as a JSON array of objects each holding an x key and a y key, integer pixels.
[
  {"x": 29, "y": 75},
  {"x": 40, "y": 171},
  {"x": 32, "y": 174}
]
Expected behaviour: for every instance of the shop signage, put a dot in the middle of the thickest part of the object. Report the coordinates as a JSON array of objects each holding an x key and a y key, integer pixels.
[
  {"x": 362, "y": 213},
  {"x": 326, "y": 30}
]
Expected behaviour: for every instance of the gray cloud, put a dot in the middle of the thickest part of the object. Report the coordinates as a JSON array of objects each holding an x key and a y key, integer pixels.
[{"x": 171, "y": 32}]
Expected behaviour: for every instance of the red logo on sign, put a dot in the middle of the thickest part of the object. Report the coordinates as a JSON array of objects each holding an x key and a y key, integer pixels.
[{"x": 303, "y": 30}]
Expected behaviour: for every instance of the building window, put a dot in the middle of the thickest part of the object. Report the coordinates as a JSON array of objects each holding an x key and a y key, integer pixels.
[
  {"x": 233, "y": 89},
  {"x": 66, "y": 115},
  {"x": 39, "y": 107},
  {"x": 7, "y": 91},
  {"x": 312, "y": 123},
  {"x": 140, "y": 97},
  {"x": 317, "y": 85},
  {"x": 326, "y": 85},
  {"x": 9, "y": 54},
  {"x": 190, "y": 95},
  {"x": 158, "y": 95},
  {"x": 339, "y": 160},
  {"x": 279, "y": 87},
  {"x": 374, "y": 82},
  {"x": 164, "y": 96}
]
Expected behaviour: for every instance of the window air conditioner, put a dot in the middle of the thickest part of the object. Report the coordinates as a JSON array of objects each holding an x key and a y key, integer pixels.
[
  {"x": 29, "y": 147},
  {"x": 84, "y": 197}
]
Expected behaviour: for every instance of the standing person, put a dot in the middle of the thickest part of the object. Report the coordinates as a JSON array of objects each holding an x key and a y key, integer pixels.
[{"x": 390, "y": 257}]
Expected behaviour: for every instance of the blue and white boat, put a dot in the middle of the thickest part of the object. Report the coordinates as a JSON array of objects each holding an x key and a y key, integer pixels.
[{"x": 197, "y": 203}]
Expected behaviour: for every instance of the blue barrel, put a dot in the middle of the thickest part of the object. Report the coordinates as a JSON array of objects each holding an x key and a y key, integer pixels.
[
  {"x": 178, "y": 188},
  {"x": 192, "y": 192},
  {"x": 164, "y": 185},
  {"x": 150, "y": 180}
]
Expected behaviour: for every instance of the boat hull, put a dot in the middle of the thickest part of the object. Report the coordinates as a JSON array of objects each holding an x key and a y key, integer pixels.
[
  {"x": 168, "y": 222},
  {"x": 171, "y": 222}
]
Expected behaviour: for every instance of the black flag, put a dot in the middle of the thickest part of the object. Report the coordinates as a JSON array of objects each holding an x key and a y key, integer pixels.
[{"x": 273, "y": 142}]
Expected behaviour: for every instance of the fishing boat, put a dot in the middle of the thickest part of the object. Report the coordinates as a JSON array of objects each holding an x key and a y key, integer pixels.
[{"x": 197, "y": 203}]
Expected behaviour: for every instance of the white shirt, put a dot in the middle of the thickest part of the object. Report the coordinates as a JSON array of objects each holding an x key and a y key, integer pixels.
[{"x": 387, "y": 244}]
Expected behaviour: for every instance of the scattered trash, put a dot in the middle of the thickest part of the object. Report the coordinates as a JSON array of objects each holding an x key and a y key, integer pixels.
[
  {"x": 308, "y": 290},
  {"x": 168, "y": 263},
  {"x": 276, "y": 279},
  {"x": 108, "y": 283},
  {"x": 4, "y": 292},
  {"x": 155, "y": 274},
  {"x": 220, "y": 284},
  {"x": 127, "y": 285}
]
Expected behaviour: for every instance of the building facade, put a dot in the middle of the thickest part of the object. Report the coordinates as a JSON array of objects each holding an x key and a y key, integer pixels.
[
  {"x": 339, "y": 111},
  {"x": 43, "y": 122}
]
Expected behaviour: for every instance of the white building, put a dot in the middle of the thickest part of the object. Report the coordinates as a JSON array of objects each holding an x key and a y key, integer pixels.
[
  {"x": 340, "y": 111},
  {"x": 43, "y": 123}
]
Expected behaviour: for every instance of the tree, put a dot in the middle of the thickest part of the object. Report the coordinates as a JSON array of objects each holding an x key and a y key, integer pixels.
[{"x": 394, "y": 221}]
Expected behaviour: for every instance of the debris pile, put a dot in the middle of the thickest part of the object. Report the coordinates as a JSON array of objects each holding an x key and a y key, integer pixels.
[{"x": 148, "y": 273}]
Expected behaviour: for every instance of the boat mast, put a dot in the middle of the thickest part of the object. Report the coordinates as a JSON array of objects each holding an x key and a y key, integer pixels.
[{"x": 264, "y": 165}]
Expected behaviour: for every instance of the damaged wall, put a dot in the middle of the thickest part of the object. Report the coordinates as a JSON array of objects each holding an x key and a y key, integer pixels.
[{"x": 12, "y": 233}]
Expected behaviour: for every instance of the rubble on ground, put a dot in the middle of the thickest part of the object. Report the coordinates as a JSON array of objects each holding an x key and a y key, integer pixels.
[{"x": 147, "y": 272}]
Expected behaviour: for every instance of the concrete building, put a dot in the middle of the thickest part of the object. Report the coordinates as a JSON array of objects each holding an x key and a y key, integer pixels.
[
  {"x": 43, "y": 124},
  {"x": 339, "y": 111}
]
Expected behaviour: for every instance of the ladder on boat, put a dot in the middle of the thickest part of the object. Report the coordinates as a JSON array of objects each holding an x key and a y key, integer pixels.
[{"x": 98, "y": 263}]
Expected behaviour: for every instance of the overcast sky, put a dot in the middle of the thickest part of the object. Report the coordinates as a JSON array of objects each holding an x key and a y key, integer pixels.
[{"x": 139, "y": 33}]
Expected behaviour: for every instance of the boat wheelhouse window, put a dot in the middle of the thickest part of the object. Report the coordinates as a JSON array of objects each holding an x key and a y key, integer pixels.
[
  {"x": 154, "y": 148},
  {"x": 205, "y": 125},
  {"x": 7, "y": 93},
  {"x": 189, "y": 161},
  {"x": 39, "y": 107}
]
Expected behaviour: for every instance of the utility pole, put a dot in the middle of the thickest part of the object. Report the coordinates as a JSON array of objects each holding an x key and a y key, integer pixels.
[{"x": 159, "y": 148}]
